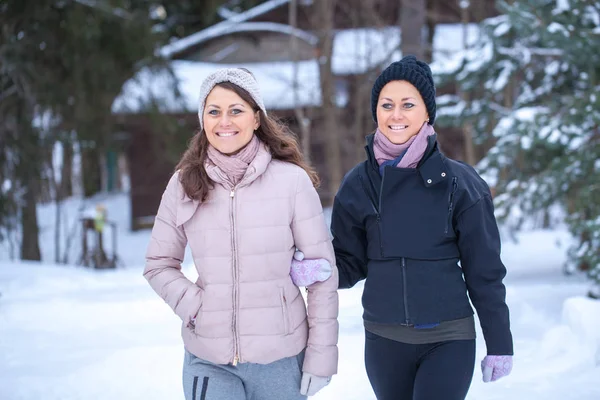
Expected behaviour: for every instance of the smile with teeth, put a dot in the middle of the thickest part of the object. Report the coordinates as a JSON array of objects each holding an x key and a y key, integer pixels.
[
  {"x": 398, "y": 127},
  {"x": 226, "y": 134}
]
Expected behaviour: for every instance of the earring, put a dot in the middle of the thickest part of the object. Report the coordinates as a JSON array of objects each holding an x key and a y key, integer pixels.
[{"x": 427, "y": 120}]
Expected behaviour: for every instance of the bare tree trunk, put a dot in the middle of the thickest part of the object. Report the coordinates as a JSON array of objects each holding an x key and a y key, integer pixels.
[
  {"x": 90, "y": 163},
  {"x": 56, "y": 192},
  {"x": 304, "y": 122},
  {"x": 57, "y": 229},
  {"x": 325, "y": 11},
  {"x": 30, "y": 248},
  {"x": 412, "y": 21},
  {"x": 66, "y": 183},
  {"x": 28, "y": 176},
  {"x": 363, "y": 11},
  {"x": 469, "y": 147},
  {"x": 431, "y": 22}
]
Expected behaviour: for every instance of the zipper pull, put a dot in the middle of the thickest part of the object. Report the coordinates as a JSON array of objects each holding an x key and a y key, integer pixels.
[
  {"x": 232, "y": 193},
  {"x": 235, "y": 360}
]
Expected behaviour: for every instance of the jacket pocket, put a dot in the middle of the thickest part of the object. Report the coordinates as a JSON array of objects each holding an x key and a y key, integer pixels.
[
  {"x": 286, "y": 312},
  {"x": 196, "y": 327}
]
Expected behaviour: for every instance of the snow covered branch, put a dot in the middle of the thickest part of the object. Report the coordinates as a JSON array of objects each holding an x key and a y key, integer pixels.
[
  {"x": 98, "y": 5},
  {"x": 533, "y": 50}
]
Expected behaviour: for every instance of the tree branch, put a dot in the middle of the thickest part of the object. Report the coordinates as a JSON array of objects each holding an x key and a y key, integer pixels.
[{"x": 117, "y": 12}]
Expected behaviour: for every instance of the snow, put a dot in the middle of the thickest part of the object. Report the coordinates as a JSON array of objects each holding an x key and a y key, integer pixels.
[
  {"x": 75, "y": 333},
  {"x": 562, "y": 5},
  {"x": 592, "y": 14},
  {"x": 503, "y": 77},
  {"x": 502, "y": 29},
  {"x": 450, "y": 105},
  {"x": 526, "y": 142},
  {"x": 555, "y": 27},
  {"x": 552, "y": 68},
  {"x": 45, "y": 120},
  {"x": 529, "y": 113},
  {"x": 582, "y": 315},
  {"x": 6, "y": 185},
  {"x": 357, "y": 50}
]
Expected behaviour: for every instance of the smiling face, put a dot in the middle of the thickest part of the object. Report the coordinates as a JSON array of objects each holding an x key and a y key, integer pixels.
[
  {"x": 228, "y": 120},
  {"x": 401, "y": 111}
]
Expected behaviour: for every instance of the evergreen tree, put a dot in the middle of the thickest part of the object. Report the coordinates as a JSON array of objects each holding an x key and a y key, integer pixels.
[
  {"x": 66, "y": 60},
  {"x": 532, "y": 84}
]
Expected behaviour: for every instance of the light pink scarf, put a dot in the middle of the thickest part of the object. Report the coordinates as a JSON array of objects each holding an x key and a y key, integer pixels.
[
  {"x": 385, "y": 150},
  {"x": 234, "y": 167}
]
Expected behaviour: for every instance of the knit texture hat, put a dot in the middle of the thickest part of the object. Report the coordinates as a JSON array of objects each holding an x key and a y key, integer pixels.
[
  {"x": 411, "y": 70},
  {"x": 238, "y": 77}
]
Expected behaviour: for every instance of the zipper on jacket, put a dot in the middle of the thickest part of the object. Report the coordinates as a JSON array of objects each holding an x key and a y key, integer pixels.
[
  {"x": 379, "y": 215},
  {"x": 380, "y": 234},
  {"x": 376, "y": 210},
  {"x": 451, "y": 204},
  {"x": 381, "y": 189},
  {"x": 236, "y": 356},
  {"x": 405, "y": 287}
]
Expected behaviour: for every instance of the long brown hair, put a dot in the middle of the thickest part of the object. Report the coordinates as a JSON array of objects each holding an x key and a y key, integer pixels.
[{"x": 278, "y": 138}]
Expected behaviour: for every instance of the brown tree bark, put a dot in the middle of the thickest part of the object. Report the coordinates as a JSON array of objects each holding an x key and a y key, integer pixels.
[
  {"x": 324, "y": 27},
  {"x": 30, "y": 248},
  {"x": 28, "y": 174},
  {"x": 412, "y": 21},
  {"x": 90, "y": 166},
  {"x": 66, "y": 185},
  {"x": 304, "y": 122},
  {"x": 469, "y": 146}
]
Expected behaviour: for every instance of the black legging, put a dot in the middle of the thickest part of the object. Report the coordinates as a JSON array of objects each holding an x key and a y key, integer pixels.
[{"x": 434, "y": 371}]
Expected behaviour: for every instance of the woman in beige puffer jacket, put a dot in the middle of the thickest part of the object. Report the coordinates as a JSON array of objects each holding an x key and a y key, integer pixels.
[{"x": 243, "y": 200}]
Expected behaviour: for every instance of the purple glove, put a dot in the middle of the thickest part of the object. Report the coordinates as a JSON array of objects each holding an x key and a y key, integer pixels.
[
  {"x": 306, "y": 272},
  {"x": 495, "y": 367}
]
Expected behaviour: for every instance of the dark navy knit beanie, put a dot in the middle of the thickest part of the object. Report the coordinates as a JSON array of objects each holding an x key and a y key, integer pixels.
[{"x": 411, "y": 70}]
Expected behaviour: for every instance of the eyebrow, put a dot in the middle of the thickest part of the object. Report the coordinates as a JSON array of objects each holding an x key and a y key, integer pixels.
[
  {"x": 233, "y": 105},
  {"x": 404, "y": 99}
]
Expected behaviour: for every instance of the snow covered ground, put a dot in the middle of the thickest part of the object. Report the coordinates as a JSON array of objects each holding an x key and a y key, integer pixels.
[{"x": 70, "y": 333}]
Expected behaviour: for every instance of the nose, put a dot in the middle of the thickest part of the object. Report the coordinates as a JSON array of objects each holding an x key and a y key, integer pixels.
[
  {"x": 225, "y": 120},
  {"x": 398, "y": 114}
]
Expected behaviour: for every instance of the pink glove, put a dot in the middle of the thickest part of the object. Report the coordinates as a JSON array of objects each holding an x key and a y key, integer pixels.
[
  {"x": 495, "y": 367},
  {"x": 306, "y": 272}
]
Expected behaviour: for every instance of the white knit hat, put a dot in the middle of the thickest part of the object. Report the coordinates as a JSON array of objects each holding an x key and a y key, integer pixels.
[{"x": 238, "y": 77}]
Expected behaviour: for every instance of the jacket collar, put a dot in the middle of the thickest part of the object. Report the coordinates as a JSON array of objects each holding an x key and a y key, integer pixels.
[
  {"x": 431, "y": 168},
  {"x": 187, "y": 206}
]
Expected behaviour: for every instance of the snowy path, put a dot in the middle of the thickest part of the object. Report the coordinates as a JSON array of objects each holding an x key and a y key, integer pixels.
[{"x": 68, "y": 333}]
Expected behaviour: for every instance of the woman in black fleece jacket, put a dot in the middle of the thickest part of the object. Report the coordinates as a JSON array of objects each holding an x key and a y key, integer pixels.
[{"x": 420, "y": 228}]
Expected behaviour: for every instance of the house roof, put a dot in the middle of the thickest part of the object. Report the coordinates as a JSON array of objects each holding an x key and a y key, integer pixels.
[{"x": 152, "y": 86}]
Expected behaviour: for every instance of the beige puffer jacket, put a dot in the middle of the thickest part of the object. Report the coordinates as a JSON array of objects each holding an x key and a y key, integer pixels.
[{"x": 242, "y": 240}]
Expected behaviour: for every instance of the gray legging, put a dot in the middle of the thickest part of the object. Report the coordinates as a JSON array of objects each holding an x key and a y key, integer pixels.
[
  {"x": 279, "y": 380},
  {"x": 433, "y": 371}
]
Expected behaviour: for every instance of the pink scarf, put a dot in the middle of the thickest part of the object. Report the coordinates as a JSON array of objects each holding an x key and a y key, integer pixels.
[
  {"x": 385, "y": 150},
  {"x": 234, "y": 167}
]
